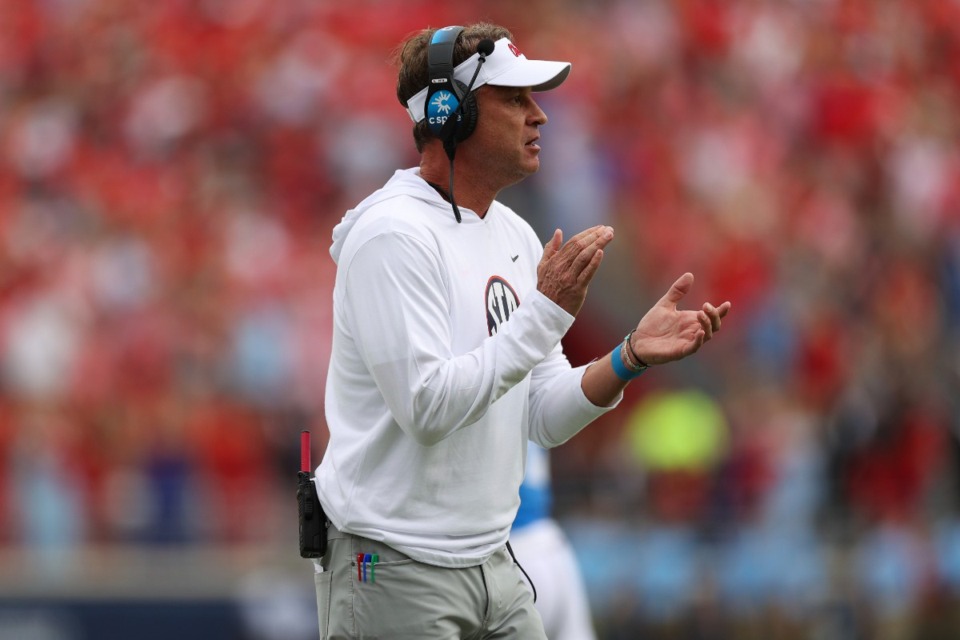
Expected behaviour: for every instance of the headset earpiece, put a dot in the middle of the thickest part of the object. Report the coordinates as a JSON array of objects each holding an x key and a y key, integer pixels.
[
  {"x": 447, "y": 97},
  {"x": 469, "y": 113}
]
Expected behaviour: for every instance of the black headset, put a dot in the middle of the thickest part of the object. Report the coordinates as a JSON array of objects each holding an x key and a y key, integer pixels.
[{"x": 450, "y": 108}]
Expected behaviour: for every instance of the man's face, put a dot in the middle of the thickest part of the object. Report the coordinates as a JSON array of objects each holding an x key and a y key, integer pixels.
[{"x": 506, "y": 138}]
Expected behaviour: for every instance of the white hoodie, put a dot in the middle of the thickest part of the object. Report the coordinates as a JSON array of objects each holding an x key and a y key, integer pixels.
[{"x": 431, "y": 394}]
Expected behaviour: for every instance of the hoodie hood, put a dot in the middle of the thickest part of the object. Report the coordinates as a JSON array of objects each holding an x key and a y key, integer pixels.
[{"x": 404, "y": 182}]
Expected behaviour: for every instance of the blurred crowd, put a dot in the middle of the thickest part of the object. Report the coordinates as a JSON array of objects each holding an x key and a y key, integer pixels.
[{"x": 170, "y": 174}]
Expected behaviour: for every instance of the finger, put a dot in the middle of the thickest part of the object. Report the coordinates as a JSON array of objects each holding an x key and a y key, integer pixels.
[
  {"x": 604, "y": 237},
  {"x": 553, "y": 245},
  {"x": 714, "y": 314},
  {"x": 586, "y": 275},
  {"x": 677, "y": 290},
  {"x": 588, "y": 235},
  {"x": 587, "y": 253},
  {"x": 698, "y": 339},
  {"x": 705, "y": 323}
]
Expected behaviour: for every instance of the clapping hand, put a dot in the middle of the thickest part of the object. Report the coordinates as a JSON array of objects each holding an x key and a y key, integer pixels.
[{"x": 667, "y": 333}]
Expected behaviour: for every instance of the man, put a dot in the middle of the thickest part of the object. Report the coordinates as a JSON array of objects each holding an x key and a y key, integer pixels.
[
  {"x": 542, "y": 549},
  {"x": 446, "y": 356}
]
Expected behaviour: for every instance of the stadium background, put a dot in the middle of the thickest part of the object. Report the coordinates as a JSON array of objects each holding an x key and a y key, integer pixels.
[{"x": 170, "y": 173}]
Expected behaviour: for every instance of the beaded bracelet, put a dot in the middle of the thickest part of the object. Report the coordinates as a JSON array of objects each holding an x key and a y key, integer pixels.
[
  {"x": 633, "y": 357},
  {"x": 617, "y": 358}
]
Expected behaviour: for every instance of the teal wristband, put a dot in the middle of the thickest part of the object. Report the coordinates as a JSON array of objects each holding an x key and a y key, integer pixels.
[{"x": 621, "y": 369}]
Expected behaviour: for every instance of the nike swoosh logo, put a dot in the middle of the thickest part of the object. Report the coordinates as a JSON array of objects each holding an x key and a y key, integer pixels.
[{"x": 514, "y": 258}]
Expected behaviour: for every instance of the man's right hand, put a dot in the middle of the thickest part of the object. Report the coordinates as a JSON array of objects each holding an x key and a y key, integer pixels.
[{"x": 566, "y": 269}]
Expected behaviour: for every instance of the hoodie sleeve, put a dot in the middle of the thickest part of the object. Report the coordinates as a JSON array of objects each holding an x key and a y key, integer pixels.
[
  {"x": 558, "y": 407},
  {"x": 398, "y": 301}
]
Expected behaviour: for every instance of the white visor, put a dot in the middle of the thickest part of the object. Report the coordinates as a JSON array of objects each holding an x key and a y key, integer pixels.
[{"x": 505, "y": 67}]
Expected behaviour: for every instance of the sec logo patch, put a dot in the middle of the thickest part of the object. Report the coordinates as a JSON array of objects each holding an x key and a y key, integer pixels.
[{"x": 501, "y": 301}]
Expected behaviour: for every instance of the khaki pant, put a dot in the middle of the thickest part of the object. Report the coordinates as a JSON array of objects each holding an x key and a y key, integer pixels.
[{"x": 404, "y": 599}]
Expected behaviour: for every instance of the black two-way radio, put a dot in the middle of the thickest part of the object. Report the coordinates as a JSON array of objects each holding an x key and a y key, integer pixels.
[{"x": 313, "y": 521}]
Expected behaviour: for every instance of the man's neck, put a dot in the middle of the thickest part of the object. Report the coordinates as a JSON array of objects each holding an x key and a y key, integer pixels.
[{"x": 467, "y": 193}]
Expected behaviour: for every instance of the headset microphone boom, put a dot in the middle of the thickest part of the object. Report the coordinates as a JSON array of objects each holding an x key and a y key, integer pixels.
[{"x": 452, "y": 126}]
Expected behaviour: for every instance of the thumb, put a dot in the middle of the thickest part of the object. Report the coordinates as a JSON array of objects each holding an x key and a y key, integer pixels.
[
  {"x": 553, "y": 245},
  {"x": 678, "y": 290}
]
